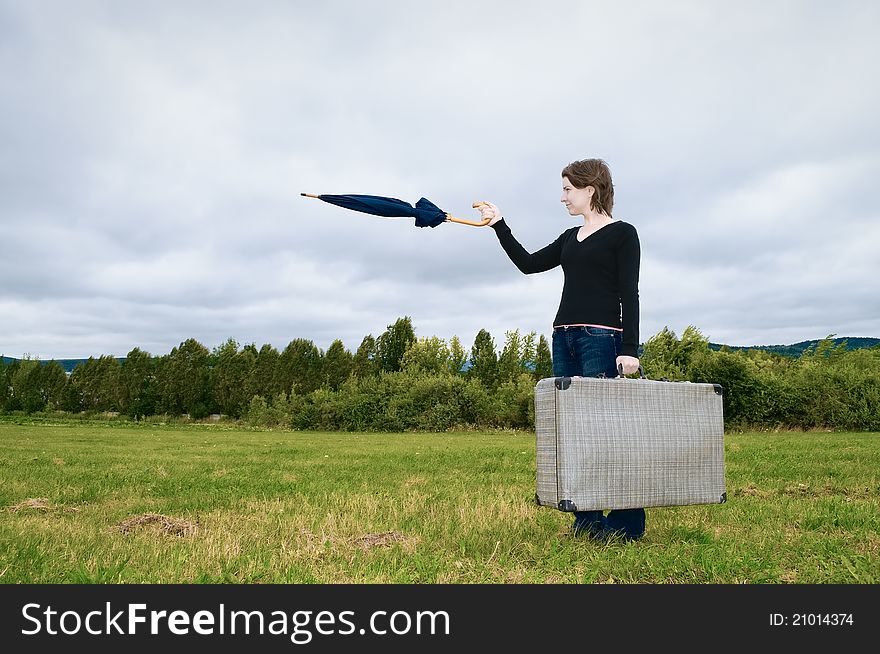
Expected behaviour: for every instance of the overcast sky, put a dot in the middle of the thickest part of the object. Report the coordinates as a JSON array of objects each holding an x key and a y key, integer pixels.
[{"x": 152, "y": 156}]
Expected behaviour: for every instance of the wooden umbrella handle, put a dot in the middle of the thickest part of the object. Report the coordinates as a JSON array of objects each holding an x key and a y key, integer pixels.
[
  {"x": 452, "y": 219},
  {"x": 482, "y": 223}
]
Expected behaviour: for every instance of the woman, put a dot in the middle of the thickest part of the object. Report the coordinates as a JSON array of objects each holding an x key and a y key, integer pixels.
[{"x": 596, "y": 328}]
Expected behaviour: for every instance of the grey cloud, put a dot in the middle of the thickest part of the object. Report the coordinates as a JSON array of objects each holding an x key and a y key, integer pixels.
[{"x": 152, "y": 163}]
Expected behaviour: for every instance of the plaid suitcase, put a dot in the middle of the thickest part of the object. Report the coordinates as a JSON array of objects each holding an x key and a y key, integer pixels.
[{"x": 628, "y": 443}]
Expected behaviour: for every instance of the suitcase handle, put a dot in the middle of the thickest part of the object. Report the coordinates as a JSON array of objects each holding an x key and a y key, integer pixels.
[{"x": 622, "y": 376}]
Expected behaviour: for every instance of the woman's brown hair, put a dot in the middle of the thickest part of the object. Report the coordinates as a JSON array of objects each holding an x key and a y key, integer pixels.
[{"x": 595, "y": 173}]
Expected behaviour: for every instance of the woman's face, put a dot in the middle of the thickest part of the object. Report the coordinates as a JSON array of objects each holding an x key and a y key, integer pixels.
[{"x": 576, "y": 200}]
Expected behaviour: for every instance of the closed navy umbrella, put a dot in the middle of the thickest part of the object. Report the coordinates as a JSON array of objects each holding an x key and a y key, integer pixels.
[{"x": 426, "y": 213}]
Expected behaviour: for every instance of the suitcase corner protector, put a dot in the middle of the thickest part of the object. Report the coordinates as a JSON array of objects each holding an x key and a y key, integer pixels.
[
  {"x": 567, "y": 505},
  {"x": 562, "y": 383},
  {"x": 723, "y": 498}
]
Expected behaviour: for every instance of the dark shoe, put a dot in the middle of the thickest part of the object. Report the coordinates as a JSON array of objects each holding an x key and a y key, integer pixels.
[
  {"x": 628, "y": 521},
  {"x": 609, "y": 535},
  {"x": 589, "y": 527},
  {"x": 588, "y": 530}
]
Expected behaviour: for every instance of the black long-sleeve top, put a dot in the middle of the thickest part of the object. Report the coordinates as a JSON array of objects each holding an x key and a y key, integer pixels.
[{"x": 601, "y": 276}]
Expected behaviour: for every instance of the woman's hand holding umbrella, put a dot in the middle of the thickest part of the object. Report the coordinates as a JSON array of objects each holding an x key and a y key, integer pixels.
[{"x": 488, "y": 211}]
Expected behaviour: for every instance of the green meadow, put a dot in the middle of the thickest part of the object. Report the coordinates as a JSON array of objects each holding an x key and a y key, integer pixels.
[{"x": 141, "y": 503}]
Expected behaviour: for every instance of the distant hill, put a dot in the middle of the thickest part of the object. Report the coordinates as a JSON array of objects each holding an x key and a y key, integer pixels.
[
  {"x": 67, "y": 364},
  {"x": 797, "y": 349}
]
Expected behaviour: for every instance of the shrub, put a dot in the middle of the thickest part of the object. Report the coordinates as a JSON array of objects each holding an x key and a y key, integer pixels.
[
  {"x": 515, "y": 403},
  {"x": 741, "y": 385},
  {"x": 261, "y": 413}
]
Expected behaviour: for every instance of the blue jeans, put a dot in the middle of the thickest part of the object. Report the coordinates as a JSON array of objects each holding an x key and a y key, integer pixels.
[{"x": 592, "y": 352}]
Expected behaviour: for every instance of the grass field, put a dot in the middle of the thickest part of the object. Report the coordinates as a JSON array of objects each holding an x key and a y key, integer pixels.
[{"x": 93, "y": 503}]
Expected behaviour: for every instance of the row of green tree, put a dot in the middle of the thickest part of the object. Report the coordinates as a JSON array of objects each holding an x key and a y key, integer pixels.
[
  {"x": 400, "y": 382},
  {"x": 192, "y": 380}
]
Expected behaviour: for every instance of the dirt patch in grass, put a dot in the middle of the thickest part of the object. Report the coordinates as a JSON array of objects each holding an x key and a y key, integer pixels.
[
  {"x": 40, "y": 504},
  {"x": 365, "y": 542},
  {"x": 32, "y": 504},
  {"x": 752, "y": 490},
  {"x": 386, "y": 539},
  {"x": 160, "y": 523}
]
